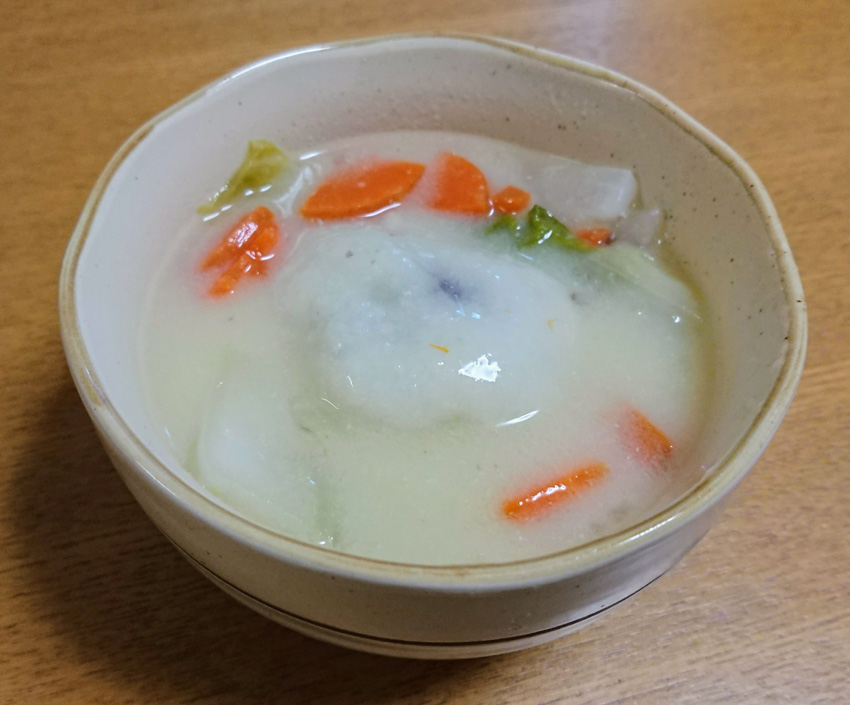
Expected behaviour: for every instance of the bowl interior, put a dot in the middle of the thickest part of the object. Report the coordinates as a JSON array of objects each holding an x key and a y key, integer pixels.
[{"x": 721, "y": 229}]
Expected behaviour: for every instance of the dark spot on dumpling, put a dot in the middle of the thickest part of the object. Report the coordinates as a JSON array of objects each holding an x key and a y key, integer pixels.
[{"x": 451, "y": 288}]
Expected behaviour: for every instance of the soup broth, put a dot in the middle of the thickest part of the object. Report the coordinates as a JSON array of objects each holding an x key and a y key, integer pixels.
[{"x": 425, "y": 384}]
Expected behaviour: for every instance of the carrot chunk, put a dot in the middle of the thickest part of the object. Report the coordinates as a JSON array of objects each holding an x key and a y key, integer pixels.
[
  {"x": 643, "y": 439},
  {"x": 540, "y": 500},
  {"x": 460, "y": 187},
  {"x": 253, "y": 259},
  {"x": 511, "y": 200},
  {"x": 362, "y": 189},
  {"x": 234, "y": 240},
  {"x": 598, "y": 237}
]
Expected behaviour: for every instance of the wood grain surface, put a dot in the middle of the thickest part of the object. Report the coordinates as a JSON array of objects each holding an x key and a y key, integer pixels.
[{"x": 97, "y": 607}]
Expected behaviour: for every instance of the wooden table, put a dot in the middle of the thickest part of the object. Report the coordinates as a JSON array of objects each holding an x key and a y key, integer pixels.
[{"x": 97, "y": 607}]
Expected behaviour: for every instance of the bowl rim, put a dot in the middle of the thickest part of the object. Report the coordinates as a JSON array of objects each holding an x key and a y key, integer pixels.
[{"x": 720, "y": 479}]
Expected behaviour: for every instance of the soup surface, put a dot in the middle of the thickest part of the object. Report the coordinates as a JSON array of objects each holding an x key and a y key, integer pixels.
[{"x": 431, "y": 381}]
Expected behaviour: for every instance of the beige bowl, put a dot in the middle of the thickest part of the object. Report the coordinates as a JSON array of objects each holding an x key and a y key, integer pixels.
[{"x": 722, "y": 226}]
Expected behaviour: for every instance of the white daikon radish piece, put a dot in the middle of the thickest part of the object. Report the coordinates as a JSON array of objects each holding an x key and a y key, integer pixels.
[
  {"x": 248, "y": 447},
  {"x": 640, "y": 227},
  {"x": 580, "y": 194}
]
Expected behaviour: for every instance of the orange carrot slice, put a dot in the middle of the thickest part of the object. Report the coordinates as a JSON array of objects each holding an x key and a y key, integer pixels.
[
  {"x": 643, "y": 439},
  {"x": 540, "y": 500},
  {"x": 511, "y": 200},
  {"x": 460, "y": 187},
  {"x": 236, "y": 238},
  {"x": 362, "y": 189},
  {"x": 598, "y": 237},
  {"x": 253, "y": 259}
]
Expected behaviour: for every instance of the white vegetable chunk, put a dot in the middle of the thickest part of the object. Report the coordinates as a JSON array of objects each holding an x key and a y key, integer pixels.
[
  {"x": 640, "y": 227},
  {"x": 247, "y": 448},
  {"x": 580, "y": 194}
]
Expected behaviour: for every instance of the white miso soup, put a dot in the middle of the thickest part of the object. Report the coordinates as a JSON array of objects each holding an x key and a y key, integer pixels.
[{"x": 429, "y": 383}]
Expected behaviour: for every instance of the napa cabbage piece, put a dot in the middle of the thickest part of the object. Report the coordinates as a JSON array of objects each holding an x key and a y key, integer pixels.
[
  {"x": 539, "y": 227},
  {"x": 641, "y": 270},
  {"x": 262, "y": 164},
  {"x": 545, "y": 227},
  {"x": 507, "y": 223}
]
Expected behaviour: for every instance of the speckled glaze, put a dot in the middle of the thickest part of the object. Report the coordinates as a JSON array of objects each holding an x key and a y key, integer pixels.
[{"x": 722, "y": 227}]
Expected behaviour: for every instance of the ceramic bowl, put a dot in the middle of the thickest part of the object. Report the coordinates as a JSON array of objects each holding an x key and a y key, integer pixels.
[{"x": 722, "y": 226}]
